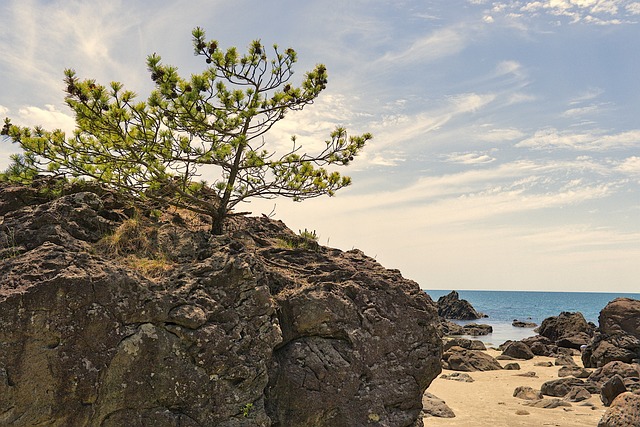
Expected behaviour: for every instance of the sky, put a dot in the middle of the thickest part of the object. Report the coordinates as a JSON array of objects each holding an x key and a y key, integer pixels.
[{"x": 506, "y": 150}]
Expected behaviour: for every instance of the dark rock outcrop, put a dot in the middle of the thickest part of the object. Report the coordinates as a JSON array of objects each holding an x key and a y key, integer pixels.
[
  {"x": 464, "y": 343},
  {"x": 522, "y": 324},
  {"x": 470, "y": 329},
  {"x": 618, "y": 335},
  {"x": 450, "y": 306},
  {"x": 239, "y": 330},
  {"x": 527, "y": 393},
  {"x": 560, "y": 387},
  {"x": 611, "y": 389}
]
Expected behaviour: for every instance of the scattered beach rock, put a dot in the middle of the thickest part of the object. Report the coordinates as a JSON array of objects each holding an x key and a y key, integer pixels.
[
  {"x": 520, "y": 324},
  {"x": 518, "y": 350},
  {"x": 611, "y": 389},
  {"x": 529, "y": 374},
  {"x": 522, "y": 412},
  {"x": 460, "y": 359},
  {"x": 450, "y": 306},
  {"x": 544, "y": 364},
  {"x": 527, "y": 393},
  {"x": 548, "y": 403},
  {"x": 624, "y": 411},
  {"x": 464, "y": 343},
  {"x": 458, "y": 376},
  {"x": 560, "y": 387},
  {"x": 573, "y": 371},
  {"x": 433, "y": 406},
  {"x": 624, "y": 370},
  {"x": 577, "y": 394},
  {"x": 513, "y": 366},
  {"x": 564, "y": 360}
]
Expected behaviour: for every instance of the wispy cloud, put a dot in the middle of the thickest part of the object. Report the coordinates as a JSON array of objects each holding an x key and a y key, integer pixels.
[
  {"x": 438, "y": 44},
  {"x": 469, "y": 158},
  {"x": 553, "y": 139}
]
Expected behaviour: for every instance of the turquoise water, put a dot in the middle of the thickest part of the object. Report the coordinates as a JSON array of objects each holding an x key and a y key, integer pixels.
[{"x": 503, "y": 307}]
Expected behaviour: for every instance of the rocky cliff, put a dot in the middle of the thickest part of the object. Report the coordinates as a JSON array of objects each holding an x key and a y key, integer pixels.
[{"x": 113, "y": 316}]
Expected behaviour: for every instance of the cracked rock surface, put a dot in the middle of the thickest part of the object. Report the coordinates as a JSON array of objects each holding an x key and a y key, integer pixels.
[{"x": 242, "y": 331}]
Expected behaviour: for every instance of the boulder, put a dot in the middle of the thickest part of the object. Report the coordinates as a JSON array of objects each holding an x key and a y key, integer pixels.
[
  {"x": 624, "y": 370},
  {"x": 475, "y": 329},
  {"x": 540, "y": 346},
  {"x": 622, "y": 315},
  {"x": 565, "y": 325},
  {"x": 460, "y": 359},
  {"x": 513, "y": 366},
  {"x": 611, "y": 389},
  {"x": 560, "y": 387},
  {"x": 458, "y": 376},
  {"x": 433, "y": 406},
  {"x": 624, "y": 411},
  {"x": 464, "y": 343},
  {"x": 450, "y": 306},
  {"x": 518, "y": 350},
  {"x": 548, "y": 403},
  {"x": 573, "y": 371},
  {"x": 527, "y": 393},
  {"x": 618, "y": 336},
  {"x": 238, "y": 330},
  {"x": 564, "y": 360}
]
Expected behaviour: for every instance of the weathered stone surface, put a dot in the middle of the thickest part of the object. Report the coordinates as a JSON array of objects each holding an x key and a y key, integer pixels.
[
  {"x": 450, "y": 306},
  {"x": 622, "y": 315},
  {"x": 624, "y": 370},
  {"x": 472, "y": 329},
  {"x": 435, "y": 407},
  {"x": 513, "y": 366},
  {"x": 239, "y": 332},
  {"x": 624, "y": 411},
  {"x": 460, "y": 359},
  {"x": 564, "y": 360},
  {"x": 518, "y": 350},
  {"x": 527, "y": 393}
]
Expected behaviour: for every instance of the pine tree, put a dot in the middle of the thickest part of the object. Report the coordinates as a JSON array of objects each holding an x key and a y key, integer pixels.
[{"x": 157, "y": 149}]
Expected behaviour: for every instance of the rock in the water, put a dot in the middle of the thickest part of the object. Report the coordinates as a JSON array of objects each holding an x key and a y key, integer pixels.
[
  {"x": 611, "y": 389},
  {"x": 518, "y": 350},
  {"x": 624, "y": 411},
  {"x": 522, "y": 324},
  {"x": 527, "y": 393},
  {"x": 433, "y": 406},
  {"x": 450, "y": 306},
  {"x": 460, "y": 359},
  {"x": 238, "y": 331}
]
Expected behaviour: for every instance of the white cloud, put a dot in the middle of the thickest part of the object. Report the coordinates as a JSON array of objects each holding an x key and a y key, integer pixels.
[
  {"x": 3, "y": 111},
  {"x": 469, "y": 158},
  {"x": 549, "y": 139},
  {"x": 49, "y": 118},
  {"x": 440, "y": 43},
  {"x": 630, "y": 166},
  {"x": 500, "y": 135},
  {"x": 599, "y": 12}
]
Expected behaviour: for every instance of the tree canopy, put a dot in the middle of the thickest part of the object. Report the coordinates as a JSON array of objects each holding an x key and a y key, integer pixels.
[{"x": 156, "y": 149}]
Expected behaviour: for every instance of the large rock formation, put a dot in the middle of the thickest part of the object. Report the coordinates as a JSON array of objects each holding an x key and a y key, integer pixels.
[
  {"x": 618, "y": 335},
  {"x": 569, "y": 330},
  {"x": 243, "y": 329},
  {"x": 450, "y": 306}
]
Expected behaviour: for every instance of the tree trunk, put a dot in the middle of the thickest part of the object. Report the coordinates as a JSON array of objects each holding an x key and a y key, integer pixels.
[{"x": 217, "y": 224}]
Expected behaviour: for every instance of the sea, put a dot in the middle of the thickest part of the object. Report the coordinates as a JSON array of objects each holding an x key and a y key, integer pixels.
[{"x": 503, "y": 307}]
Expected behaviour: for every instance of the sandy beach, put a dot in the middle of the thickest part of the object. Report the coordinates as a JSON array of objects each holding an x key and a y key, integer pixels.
[{"x": 489, "y": 401}]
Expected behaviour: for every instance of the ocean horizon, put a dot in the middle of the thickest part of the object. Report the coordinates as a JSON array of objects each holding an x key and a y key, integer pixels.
[{"x": 503, "y": 307}]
